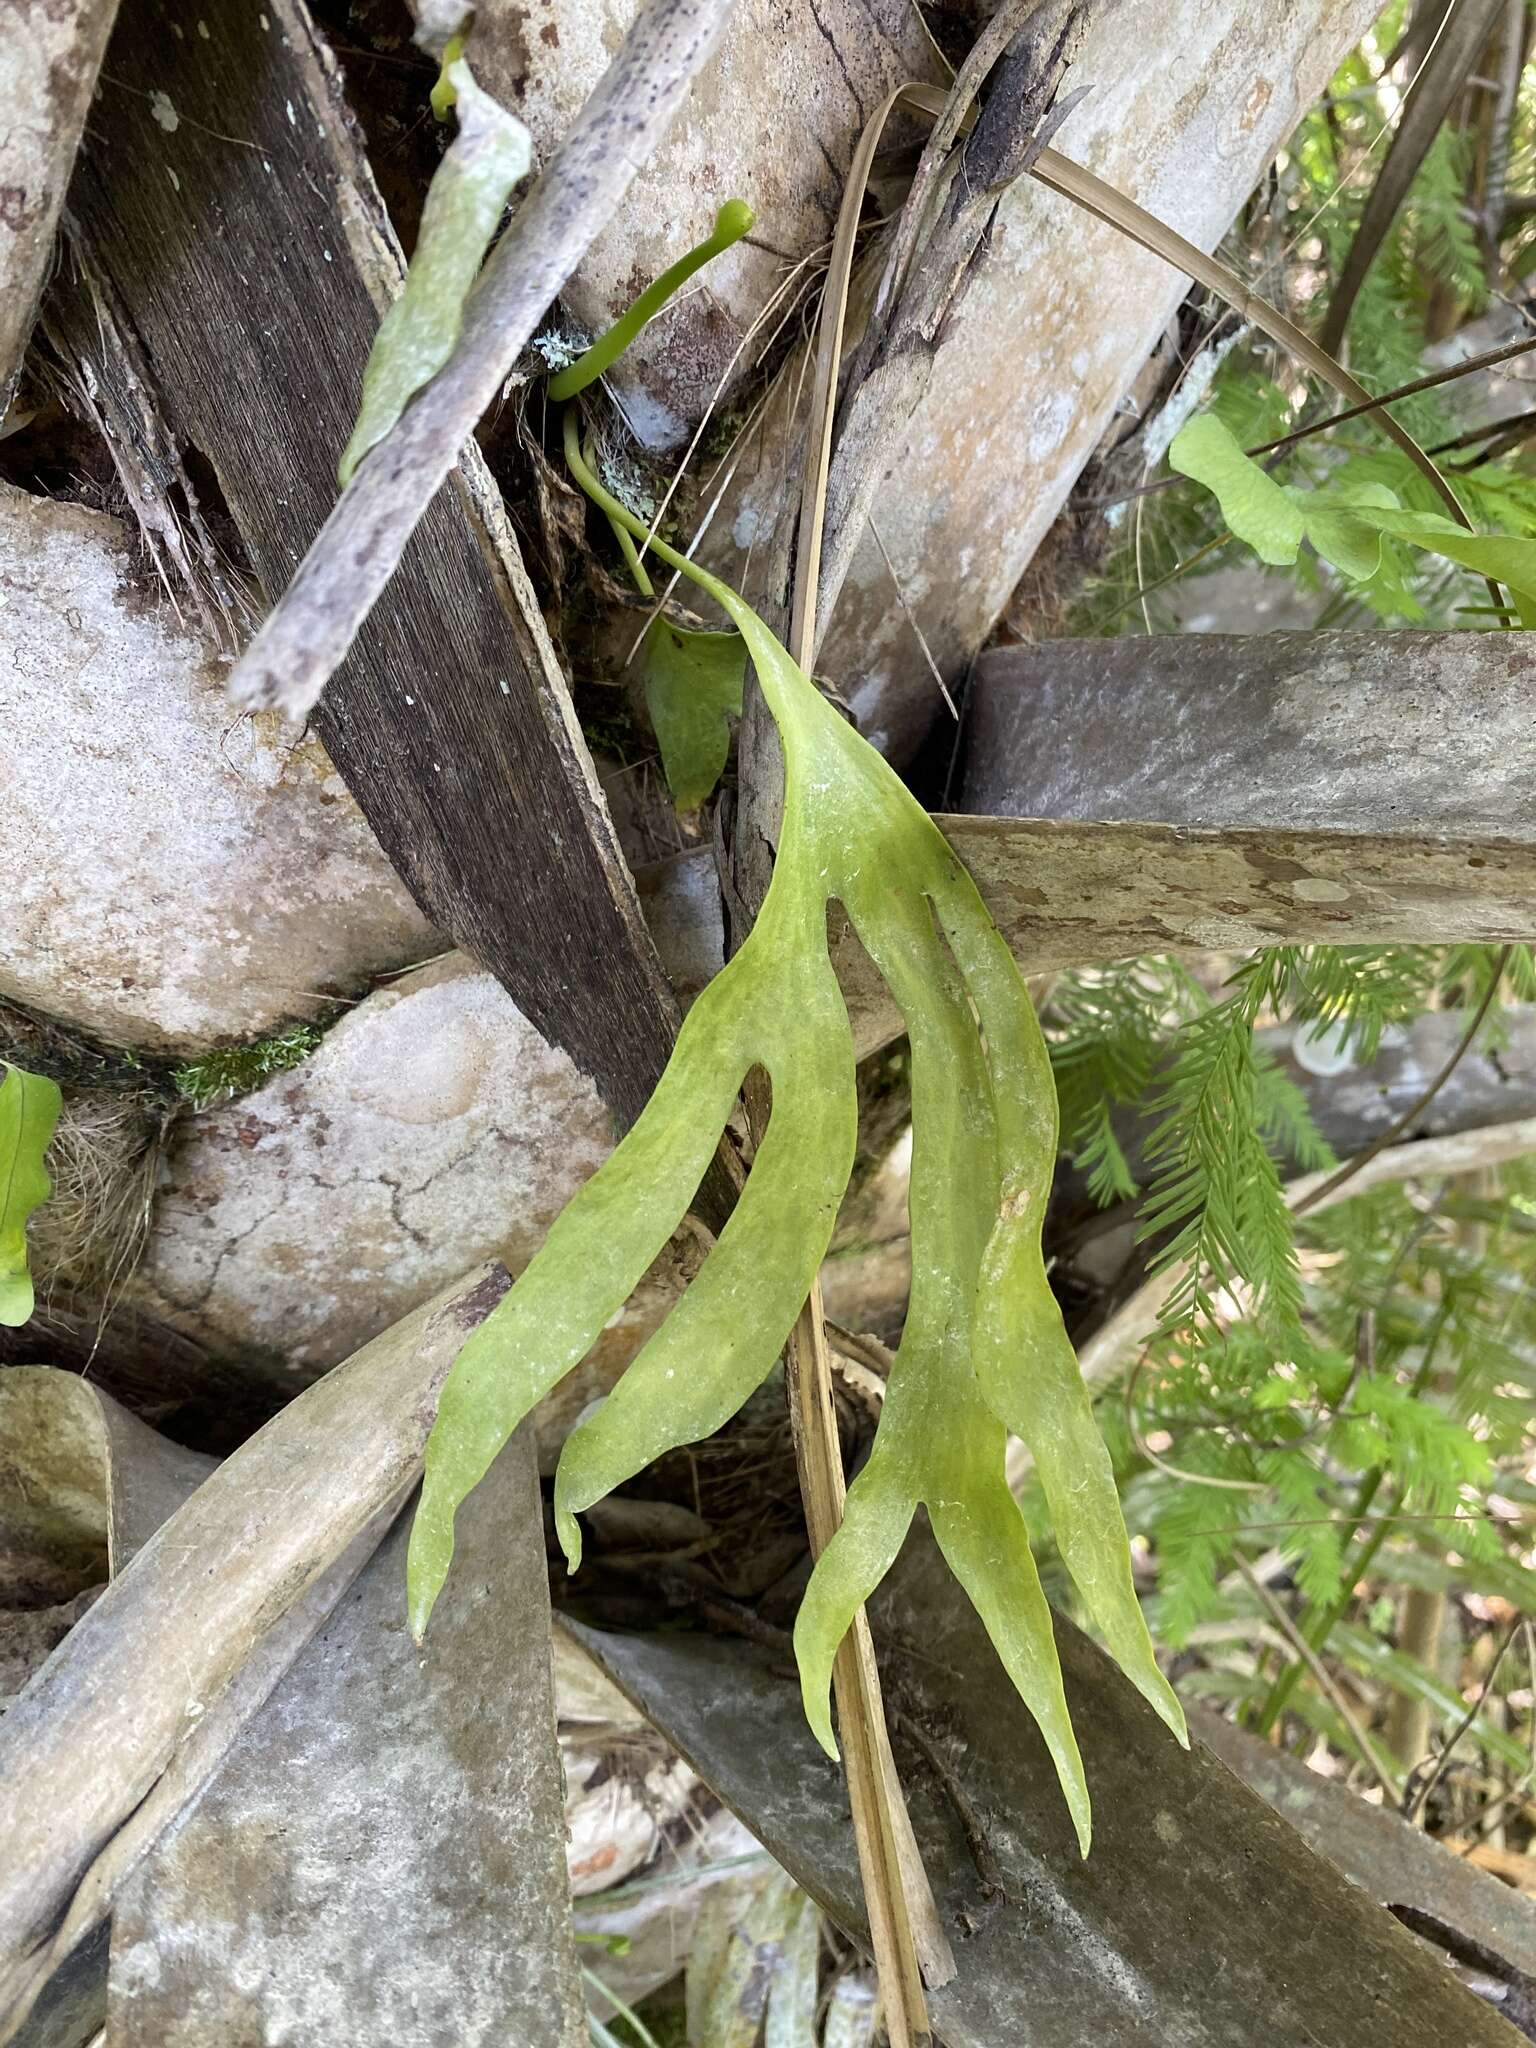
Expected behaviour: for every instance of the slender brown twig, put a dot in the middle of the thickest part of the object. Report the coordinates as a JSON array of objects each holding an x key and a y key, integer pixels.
[
  {"x": 1416, "y": 1109},
  {"x": 1419, "y": 1797},
  {"x": 1487, "y": 361},
  {"x": 1380, "y": 1768}
]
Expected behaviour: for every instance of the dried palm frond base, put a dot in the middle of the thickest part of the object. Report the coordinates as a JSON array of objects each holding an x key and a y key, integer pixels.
[
  {"x": 677, "y": 1904},
  {"x": 91, "y": 1232},
  {"x": 88, "y": 1236}
]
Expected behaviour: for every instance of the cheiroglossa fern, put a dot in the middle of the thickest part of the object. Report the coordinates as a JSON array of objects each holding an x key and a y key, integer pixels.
[{"x": 984, "y": 1350}]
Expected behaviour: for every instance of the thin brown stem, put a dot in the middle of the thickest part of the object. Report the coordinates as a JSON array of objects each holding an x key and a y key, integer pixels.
[
  {"x": 1381, "y": 1769},
  {"x": 1487, "y": 361},
  {"x": 1415, "y": 1110},
  {"x": 1421, "y": 1794}
]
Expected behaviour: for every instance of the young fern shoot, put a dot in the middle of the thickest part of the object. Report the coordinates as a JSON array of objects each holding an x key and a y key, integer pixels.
[{"x": 984, "y": 1349}]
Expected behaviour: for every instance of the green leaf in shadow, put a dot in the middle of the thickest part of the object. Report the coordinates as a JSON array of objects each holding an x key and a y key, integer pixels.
[{"x": 692, "y": 686}]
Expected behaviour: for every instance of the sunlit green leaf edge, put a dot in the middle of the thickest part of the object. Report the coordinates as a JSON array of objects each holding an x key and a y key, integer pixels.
[
  {"x": 1345, "y": 525},
  {"x": 29, "y": 1110}
]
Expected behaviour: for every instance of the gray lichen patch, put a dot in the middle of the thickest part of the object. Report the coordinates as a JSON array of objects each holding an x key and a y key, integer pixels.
[
  {"x": 177, "y": 876},
  {"x": 431, "y": 1126}
]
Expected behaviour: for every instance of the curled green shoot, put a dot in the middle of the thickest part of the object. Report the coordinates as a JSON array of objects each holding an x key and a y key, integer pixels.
[
  {"x": 984, "y": 1348},
  {"x": 734, "y": 220},
  {"x": 444, "y": 95}
]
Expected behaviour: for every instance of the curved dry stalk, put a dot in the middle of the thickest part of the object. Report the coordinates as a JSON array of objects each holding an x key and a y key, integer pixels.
[
  {"x": 1061, "y": 175},
  {"x": 1460, "y": 1152},
  {"x": 1332, "y": 1189},
  {"x": 198, "y": 1628}
]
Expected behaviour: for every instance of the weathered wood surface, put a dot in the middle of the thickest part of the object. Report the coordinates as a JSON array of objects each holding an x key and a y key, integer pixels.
[
  {"x": 1422, "y": 737},
  {"x": 1210, "y": 792},
  {"x": 49, "y": 57},
  {"x": 1395, "y": 1863},
  {"x": 224, "y": 196},
  {"x": 1025, "y": 65},
  {"x": 198, "y": 1629},
  {"x": 382, "y": 1855},
  {"x": 1200, "y": 1920},
  {"x": 1049, "y": 336},
  {"x": 811, "y": 71},
  {"x": 64, "y": 1441},
  {"x": 354, "y": 556},
  {"x": 1069, "y": 894},
  {"x": 63, "y": 1438},
  {"x": 1200, "y": 793}
]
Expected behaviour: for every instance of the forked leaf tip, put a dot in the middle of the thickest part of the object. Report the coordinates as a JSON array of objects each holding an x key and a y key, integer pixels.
[
  {"x": 420, "y": 1599},
  {"x": 568, "y": 1530},
  {"x": 1174, "y": 1718},
  {"x": 815, "y": 1698}
]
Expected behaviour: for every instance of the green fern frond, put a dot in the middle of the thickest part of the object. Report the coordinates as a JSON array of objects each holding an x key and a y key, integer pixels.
[
  {"x": 1215, "y": 1185},
  {"x": 1107, "y": 1029}
]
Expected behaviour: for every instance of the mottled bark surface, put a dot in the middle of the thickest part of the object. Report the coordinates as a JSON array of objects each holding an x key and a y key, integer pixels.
[
  {"x": 50, "y": 53},
  {"x": 382, "y": 1855},
  {"x": 1200, "y": 1920},
  {"x": 1053, "y": 326}
]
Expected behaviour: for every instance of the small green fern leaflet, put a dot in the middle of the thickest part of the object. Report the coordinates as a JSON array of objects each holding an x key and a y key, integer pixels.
[
  {"x": 1109, "y": 1027},
  {"x": 1345, "y": 524},
  {"x": 1214, "y": 1182},
  {"x": 985, "y": 1348}
]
